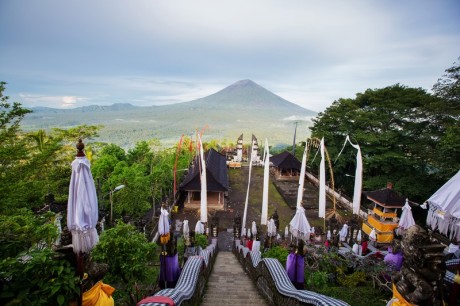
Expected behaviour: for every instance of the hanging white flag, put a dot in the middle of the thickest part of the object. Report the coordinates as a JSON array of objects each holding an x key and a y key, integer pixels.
[
  {"x": 264, "y": 214},
  {"x": 322, "y": 183}
]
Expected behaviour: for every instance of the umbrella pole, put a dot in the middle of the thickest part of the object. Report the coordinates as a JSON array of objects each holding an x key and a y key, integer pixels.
[
  {"x": 164, "y": 264},
  {"x": 80, "y": 276}
]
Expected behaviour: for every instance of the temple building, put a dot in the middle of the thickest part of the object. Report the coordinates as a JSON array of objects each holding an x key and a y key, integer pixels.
[
  {"x": 255, "y": 153},
  {"x": 216, "y": 179},
  {"x": 286, "y": 166},
  {"x": 237, "y": 155},
  {"x": 383, "y": 217}
]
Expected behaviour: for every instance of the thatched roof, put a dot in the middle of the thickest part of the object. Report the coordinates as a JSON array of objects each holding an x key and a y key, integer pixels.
[
  {"x": 216, "y": 173},
  {"x": 386, "y": 197},
  {"x": 285, "y": 160}
]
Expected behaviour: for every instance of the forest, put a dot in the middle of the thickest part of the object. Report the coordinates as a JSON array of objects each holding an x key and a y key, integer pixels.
[{"x": 407, "y": 136}]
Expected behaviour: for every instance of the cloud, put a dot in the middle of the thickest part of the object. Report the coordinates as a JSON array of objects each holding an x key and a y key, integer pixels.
[
  {"x": 162, "y": 52},
  {"x": 32, "y": 100}
]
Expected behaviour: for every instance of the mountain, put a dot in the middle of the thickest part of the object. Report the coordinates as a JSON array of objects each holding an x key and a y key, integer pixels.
[{"x": 243, "y": 107}]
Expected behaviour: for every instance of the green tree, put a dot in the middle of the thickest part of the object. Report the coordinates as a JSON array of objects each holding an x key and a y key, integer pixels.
[
  {"x": 127, "y": 252},
  {"x": 447, "y": 88},
  {"x": 398, "y": 139}
]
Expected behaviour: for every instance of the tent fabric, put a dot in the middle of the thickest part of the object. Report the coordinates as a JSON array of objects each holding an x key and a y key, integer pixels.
[
  {"x": 286, "y": 161},
  {"x": 82, "y": 207},
  {"x": 216, "y": 173},
  {"x": 444, "y": 209}
]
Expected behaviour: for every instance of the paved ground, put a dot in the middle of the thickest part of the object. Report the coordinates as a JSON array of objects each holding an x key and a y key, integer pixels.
[{"x": 229, "y": 284}]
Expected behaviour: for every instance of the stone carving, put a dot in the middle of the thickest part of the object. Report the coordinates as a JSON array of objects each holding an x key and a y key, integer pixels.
[{"x": 420, "y": 278}]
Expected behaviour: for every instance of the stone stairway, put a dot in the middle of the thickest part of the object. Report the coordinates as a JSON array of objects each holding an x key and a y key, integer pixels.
[{"x": 229, "y": 284}]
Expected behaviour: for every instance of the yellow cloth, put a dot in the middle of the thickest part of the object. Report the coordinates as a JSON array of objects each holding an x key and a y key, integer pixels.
[
  {"x": 99, "y": 295},
  {"x": 398, "y": 299},
  {"x": 457, "y": 278}
]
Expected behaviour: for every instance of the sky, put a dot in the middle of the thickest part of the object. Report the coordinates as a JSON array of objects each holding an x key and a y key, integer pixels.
[{"x": 67, "y": 54}]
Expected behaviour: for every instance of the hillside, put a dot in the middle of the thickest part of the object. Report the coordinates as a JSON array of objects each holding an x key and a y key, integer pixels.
[{"x": 243, "y": 107}]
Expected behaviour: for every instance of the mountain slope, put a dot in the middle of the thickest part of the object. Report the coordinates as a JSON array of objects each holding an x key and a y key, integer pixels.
[{"x": 243, "y": 107}]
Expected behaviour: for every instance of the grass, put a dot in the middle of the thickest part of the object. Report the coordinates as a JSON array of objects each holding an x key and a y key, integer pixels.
[{"x": 358, "y": 296}]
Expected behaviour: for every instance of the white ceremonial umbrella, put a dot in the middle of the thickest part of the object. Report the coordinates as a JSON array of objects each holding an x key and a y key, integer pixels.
[
  {"x": 249, "y": 232},
  {"x": 244, "y": 232},
  {"x": 82, "y": 206},
  {"x": 359, "y": 237},
  {"x": 254, "y": 228},
  {"x": 186, "y": 229},
  {"x": 271, "y": 228},
  {"x": 163, "y": 224},
  {"x": 199, "y": 227},
  {"x": 406, "y": 220},
  {"x": 343, "y": 232},
  {"x": 300, "y": 228},
  {"x": 373, "y": 235}
]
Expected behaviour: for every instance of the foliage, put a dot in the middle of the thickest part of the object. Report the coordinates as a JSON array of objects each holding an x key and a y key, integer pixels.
[
  {"x": 146, "y": 171},
  {"x": 30, "y": 272},
  {"x": 399, "y": 129},
  {"x": 23, "y": 230},
  {"x": 352, "y": 280},
  {"x": 358, "y": 296},
  {"x": 316, "y": 279},
  {"x": 128, "y": 253},
  {"x": 277, "y": 252},
  {"x": 448, "y": 90},
  {"x": 201, "y": 241},
  {"x": 37, "y": 277},
  {"x": 36, "y": 163}
]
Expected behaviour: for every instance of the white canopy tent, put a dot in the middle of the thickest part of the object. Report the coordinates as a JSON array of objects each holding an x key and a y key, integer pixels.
[{"x": 444, "y": 209}]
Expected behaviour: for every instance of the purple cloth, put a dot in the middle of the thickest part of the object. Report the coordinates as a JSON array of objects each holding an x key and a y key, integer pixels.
[
  {"x": 295, "y": 268},
  {"x": 169, "y": 266},
  {"x": 396, "y": 260}
]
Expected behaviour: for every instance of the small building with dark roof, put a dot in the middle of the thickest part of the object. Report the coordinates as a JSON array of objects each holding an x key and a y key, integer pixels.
[
  {"x": 286, "y": 166},
  {"x": 216, "y": 181},
  {"x": 383, "y": 217}
]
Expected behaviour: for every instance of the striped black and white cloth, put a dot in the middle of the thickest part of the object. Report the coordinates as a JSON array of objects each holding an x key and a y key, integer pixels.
[
  {"x": 186, "y": 284},
  {"x": 256, "y": 257},
  {"x": 285, "y": 287}
]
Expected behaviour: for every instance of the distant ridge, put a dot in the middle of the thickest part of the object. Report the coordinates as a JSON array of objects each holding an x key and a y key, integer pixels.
[{"x": 243, "y": 107}]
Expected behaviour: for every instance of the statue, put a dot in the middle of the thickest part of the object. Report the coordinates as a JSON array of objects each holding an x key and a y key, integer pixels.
[
  {"x": 422, "y": 270},
  {"x": 276, "y": 218},
  {"x": 237, "y": 226},
  {"x": 57, "y": 223}
]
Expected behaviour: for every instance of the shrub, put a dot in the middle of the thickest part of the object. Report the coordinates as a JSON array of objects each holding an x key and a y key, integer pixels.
[
  {"x": 128, "y": 253},
  {"x": 316, "y": 280},
  {"x": 352, "y": 280},
  {"x": 277, "y": 252},
  {"x": 201, "y": 240},
  {"x": 38, "y": 277},
  {"x": 23, "y": 230}
]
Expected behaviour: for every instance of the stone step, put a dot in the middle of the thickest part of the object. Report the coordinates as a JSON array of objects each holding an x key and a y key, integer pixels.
[{"x": 228, "y": 284}]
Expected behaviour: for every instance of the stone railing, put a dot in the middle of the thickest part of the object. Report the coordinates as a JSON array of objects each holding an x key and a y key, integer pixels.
[
  {"x": 191, "y": 283},
  {"x": 273, "y": 283},
  {"x": 339, "y": 197}
]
